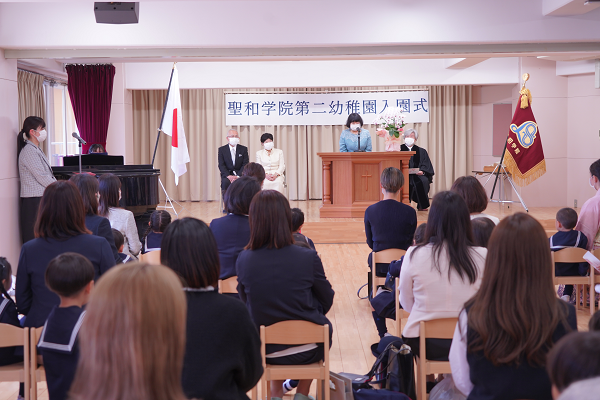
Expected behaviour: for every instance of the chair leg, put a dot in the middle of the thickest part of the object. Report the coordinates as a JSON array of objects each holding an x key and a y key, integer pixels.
[
  {"x": 320, "y": 390},
  {"x": 592, "y": 303}
]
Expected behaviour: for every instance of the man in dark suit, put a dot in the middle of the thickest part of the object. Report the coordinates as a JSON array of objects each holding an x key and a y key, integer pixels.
[{"x": 233, "y": 157}]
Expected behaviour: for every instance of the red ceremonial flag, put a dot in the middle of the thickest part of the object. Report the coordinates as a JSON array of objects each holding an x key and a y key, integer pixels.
[{"x": 524, "y": 156}]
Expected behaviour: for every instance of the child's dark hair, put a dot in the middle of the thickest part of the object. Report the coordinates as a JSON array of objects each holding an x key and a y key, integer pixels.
[
  {"x": 574, "y": 358},
  {"x": 68, "y": 274},
  {"x": 567, "y": 217},
  {"x": 419, "y": 235},
  {"x": 594, "y": 324},
  {"x": 482, "y": 230},
  {"x": 5, "y": 273},
  {"x": 297, "y": 219},
  {"x": 159, "y": 220},
  {"x": 119, "y": 238}
]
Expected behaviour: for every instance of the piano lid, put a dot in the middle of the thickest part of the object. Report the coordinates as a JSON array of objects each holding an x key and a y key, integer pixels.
[{"x": 92, "y": 159}]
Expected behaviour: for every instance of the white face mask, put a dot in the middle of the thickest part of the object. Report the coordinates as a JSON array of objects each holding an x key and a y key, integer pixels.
[
  {"x": 409, "y": 141},
  {"x": 591, "y": 183},
  {"x": 234, "y": 141},
  {"x": 269, "y": 146},
  {"x": 119, "y": 194},
  {"x": 354, "y": 127},
  {"x": 43, "y": 135}
]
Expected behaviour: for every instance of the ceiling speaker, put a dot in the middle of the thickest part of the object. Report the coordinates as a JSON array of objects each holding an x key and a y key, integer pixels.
[{"x": 117, "y": 12}]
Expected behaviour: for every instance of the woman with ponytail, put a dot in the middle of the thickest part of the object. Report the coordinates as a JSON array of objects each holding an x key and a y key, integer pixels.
[{"x": 34, "y": 170}]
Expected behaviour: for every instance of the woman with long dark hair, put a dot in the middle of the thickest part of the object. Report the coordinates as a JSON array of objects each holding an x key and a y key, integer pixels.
[
  {"x": 223, "y": 346},
  {"x": 507, "y": 328},
  {"x": 60, "y": 228},
  {"x": 120, "y": 218},
  {"x": 440, "y": 274},
  {"x": 280, "y": 282},
  {"x": 34, "y": 171},
  {"x": 99, "y": 226}
]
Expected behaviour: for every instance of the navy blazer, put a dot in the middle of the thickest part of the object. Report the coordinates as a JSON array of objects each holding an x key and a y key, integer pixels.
[
  {"x": 390, "y": 224},
  {"x": 284, "y": 284},
  {"x": 34, "y": 299},
  {"x": 100, "y": 226},
  {"x": 232, "y": 233},
  {"x": 226, "y": 165}
]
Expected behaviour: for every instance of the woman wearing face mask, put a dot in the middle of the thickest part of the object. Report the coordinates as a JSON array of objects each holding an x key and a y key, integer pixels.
[
  {"x": 419, "y": 181},
  {"x": 119, "y": 218},
  {"x": 589, "y": 217},
  {"x": 34, "y": 170},
  {"x": 349, "y": 137},
  {"x": 272, "y": 161}
]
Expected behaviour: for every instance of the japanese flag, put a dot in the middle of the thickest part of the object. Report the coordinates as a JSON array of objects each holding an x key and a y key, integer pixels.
[{"x": 173, "y": 126}]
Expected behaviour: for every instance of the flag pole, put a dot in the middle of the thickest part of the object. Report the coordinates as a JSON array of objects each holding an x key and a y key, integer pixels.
[{"x": 163, "y": 114}]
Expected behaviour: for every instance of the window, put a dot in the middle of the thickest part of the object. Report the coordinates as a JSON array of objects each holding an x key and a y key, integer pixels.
[{"x": 60, "y": 123}]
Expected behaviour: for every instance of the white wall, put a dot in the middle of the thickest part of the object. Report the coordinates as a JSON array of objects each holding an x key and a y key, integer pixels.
[
  {"x": 10, "y": 238},
  {"x": 320, "y": 73},
  {"x": 119, "y": 138}
]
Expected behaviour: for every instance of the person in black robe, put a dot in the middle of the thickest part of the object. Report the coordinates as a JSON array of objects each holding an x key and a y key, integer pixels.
[{"x": 419, "y": 183}]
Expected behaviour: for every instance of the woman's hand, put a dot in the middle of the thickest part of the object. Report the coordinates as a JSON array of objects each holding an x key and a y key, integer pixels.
[{"x": 271, "y": 177}]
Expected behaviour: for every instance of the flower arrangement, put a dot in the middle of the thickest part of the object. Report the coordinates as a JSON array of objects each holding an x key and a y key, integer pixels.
[{"x": 392, "y": 120}]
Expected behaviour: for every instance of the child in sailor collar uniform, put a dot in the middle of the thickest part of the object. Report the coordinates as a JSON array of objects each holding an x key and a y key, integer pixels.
[
  {"x": 8, "y": 312},
  {"x": 71, "y": 277},
  {"x": 120, "y": 244},
  {"x": 159, "y": 220}
]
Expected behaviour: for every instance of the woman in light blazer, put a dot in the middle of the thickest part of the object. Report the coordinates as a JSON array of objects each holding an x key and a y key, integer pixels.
[
  {"x": 272, "y": 161},
  {"x": 34, "y": 170}
]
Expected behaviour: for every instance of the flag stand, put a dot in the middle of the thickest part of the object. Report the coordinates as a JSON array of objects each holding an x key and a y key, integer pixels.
[
  {"x": 168, "y": 200},
  {"x": 500, "y": 169}
]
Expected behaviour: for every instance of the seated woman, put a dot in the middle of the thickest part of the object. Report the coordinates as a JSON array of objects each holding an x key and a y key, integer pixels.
[
  {"x": 97, "y": 149},
  {"x": 232, "y": 232},
  {"x": 222, "y": 354},
  {"x": 120, "y": 218},
  {"x": 280, "y": 282},
  {"x": 132, "y": 339},
  {"x": 60, "y": 228},
  {"x": 439, "y": 275},
  {"x": 589, "y": 216},
  {"x": 389, "y": 224},
  {"x": 159, "y": 220},
  {"x": 272, "y": 161},
  {"x": 255, "y": 171},
  {"x": 472, "y": 191},
  {"x": 507, "y": 328},
  {"x": 421, "y": 180},
  {"x": 349, "y": 137},
  {"x": 99, "y": 226}
]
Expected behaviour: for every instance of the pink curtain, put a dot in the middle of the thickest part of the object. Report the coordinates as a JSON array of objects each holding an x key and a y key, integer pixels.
[{"x": 90, "y": 89}]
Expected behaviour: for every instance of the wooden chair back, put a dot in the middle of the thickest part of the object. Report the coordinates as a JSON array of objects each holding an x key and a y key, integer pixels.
[
  {"x": 228, "y": 285},
  {"x": 382, "y": 257},
  {"x": 594, "y": 279},
  {"x": 434, "y": 329},
  {"x": 295, "y": 333},
  {"x": 152, "y": 257},
  {"x": 570, "y": 255},
  {"x": 37, "y": 371},
  {"x": 400, "y": 313},
  {"x": 11, "y": 336}
]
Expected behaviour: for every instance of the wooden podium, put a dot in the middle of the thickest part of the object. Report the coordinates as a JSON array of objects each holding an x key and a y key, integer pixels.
[{"x": 351, "y": 181}]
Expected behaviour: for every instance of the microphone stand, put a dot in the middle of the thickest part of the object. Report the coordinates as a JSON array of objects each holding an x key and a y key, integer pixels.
[
  {"x": 80, "y": 151},
  {"x": 359, "y": 150}
]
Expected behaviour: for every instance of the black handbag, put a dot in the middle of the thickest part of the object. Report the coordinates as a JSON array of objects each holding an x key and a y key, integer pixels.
[{"x": 394, "y": 369}]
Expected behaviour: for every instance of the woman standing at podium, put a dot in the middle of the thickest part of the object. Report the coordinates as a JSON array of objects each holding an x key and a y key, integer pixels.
[
  {"x": 349, "y": 137},
  {"x": 34, "y": 170}
]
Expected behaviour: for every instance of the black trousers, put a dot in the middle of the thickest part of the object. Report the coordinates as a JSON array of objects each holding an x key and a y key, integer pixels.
[
  {"x": 436, "y": 349},
  {"x": 28, "y": 215}
]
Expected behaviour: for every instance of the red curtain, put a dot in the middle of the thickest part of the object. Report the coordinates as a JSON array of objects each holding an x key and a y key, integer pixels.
[{"x": 90, "y": 89}]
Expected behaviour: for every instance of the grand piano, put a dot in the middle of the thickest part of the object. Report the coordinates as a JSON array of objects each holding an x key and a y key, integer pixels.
[{"x": 139, "y": 183}]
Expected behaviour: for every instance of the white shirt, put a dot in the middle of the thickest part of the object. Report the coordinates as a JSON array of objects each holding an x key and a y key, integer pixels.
[
  {"x": 232, "y": 149},
  {"x": 458, "y": 356},
  {"x": 123, "y": 221}
]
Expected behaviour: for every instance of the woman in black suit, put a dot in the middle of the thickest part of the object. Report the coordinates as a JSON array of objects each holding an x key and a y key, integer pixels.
[
  {"x": 280, "y": 282},
  {"x": 100, "y": 226},
  {"x": 60, "y": 228}
]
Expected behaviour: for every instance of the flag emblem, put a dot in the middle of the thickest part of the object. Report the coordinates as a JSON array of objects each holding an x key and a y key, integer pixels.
[{"x": 525, "y": 133}]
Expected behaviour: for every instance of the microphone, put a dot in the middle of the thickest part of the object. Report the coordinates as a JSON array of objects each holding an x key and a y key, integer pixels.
[
  {"x": 358, "y": 134},
  {"x": 79, "y": 139}
]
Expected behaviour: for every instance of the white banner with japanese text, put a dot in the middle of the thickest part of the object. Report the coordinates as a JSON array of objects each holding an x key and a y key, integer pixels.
[{"x": 322, "y": 108}]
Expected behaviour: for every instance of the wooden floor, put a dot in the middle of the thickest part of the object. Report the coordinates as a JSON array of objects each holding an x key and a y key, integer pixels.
[{"x": 340, "y": 243}]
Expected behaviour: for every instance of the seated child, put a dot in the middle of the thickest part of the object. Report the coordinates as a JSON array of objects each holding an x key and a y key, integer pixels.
[
  {"x": 566, "y": 219},
  {"x": 71, "y": 277},
  {"x": 383, "y": 303},
  {"x": 120, "y": 244},
  {"x": 8, "y": 312},
  {"x": 594, "y": 324},
  {"x": 573, "y": 358},
  {"x": 297, "y": 223},
  {"x": 159, "y": 220},
  {"x": 482, "y": 230}
]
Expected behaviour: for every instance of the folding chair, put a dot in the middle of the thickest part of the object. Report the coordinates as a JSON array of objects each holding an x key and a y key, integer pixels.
[
  {"x": 435, "y": 329},
  {"x": 400, "y": 313},
  {"x": 570, "y": 255},
  {"x": 11, "y": 336},
  {"x": 295, "y": 333},
  {"x": 383, "y": 257},
  {"x": 38, "y": 373}
]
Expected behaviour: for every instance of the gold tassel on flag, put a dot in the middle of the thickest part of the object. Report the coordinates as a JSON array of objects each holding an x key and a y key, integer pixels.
[{"x": 525, "y": 93}]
